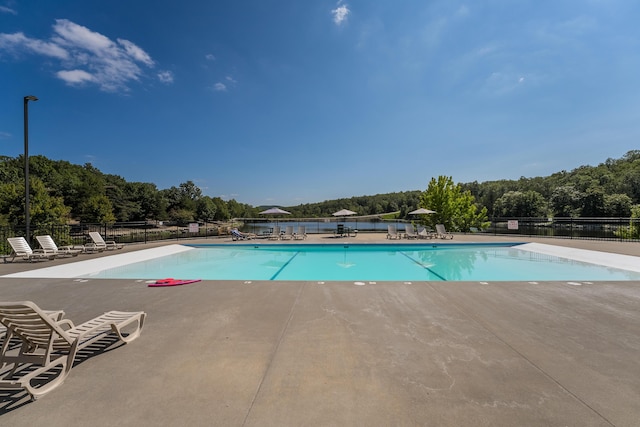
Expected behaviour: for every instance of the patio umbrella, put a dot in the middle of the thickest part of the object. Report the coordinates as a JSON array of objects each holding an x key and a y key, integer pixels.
[
  {"x": 422, "y": 211},
  {"x": 344, "y": 212},
  {"x": 275, "y": 211}
]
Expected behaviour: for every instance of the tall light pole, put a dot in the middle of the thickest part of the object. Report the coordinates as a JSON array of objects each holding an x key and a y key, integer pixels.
[{"x": 27, "y": 218}]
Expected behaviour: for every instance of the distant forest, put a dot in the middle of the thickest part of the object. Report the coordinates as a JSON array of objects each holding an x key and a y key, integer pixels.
[
  {"x": 610, "y": 189},
  {"x": 62, "y": 192}
]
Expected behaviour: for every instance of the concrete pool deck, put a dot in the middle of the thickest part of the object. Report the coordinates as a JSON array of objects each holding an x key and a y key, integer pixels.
[{"x": 231, "y": 353}]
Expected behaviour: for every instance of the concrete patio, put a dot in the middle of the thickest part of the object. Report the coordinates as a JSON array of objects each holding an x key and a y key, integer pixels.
[{"x": 230, "y": 353}]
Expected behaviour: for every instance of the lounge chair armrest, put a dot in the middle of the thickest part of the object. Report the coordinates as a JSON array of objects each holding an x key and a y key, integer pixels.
[{"x": 65, "y": 324}]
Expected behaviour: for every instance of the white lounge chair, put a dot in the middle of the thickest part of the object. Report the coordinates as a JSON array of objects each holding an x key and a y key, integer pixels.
[
  {"x": 425, "y": 234},
  {"x": 50, "y": 346},
  {"x": 442, "y": 233},
  {"x": 54, "y": 314},
  {"x": 49, "y": 246},
  {"x": 301, "y": 234},
  {"x": 275, "y": 234},
  {"x": 288, "y": 233},
  {"x": 100, "y": 244},
  {"x": 21, "y": 249},
  {"x": 410, "y": 232},
  {"x": 392, "y": 232},
  {"x": 238, "y": 235}
]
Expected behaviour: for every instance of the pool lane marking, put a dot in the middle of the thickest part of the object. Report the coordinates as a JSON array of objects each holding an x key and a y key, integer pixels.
[
  {"x": 283, "y": 267},
  {"x": 424, "y": 266}
]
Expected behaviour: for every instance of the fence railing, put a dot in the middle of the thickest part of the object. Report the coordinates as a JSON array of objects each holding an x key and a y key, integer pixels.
[
  {"x": 574, "y": 228},
  {"x": 622, "y": 229},
  {"x": 124, "y": 232}
]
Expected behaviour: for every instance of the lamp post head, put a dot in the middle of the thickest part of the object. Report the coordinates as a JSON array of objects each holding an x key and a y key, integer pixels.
[{"x": 30, "y": 98}]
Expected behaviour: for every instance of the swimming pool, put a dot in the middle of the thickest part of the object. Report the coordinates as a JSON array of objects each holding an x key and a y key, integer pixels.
[{"x": 366, "y": 262}]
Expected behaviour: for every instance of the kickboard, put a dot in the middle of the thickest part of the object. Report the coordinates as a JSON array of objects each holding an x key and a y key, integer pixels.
[{"x": 171, "y": 282}]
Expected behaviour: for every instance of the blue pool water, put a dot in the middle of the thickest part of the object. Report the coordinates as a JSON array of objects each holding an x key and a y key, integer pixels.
[{"x": 361, "y": 262}]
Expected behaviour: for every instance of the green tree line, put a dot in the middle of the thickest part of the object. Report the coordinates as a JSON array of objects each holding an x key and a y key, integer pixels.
[
  {"x": 610, "y": 189},
  {"x": 61, "y": 192}
]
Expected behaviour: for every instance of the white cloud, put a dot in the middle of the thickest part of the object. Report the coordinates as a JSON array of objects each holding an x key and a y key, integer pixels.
[
  {"x": 340, "y": 13},
  {"x": 75, "y": 77},
  {"x": 5, "y": 9},
  {"x": 5, "y": 135},
  {"x": 165, "y": 76},
  {"x": 18, "y": 42},
  {"x": 210, "y": 57},
  {"x": 87, "y": 56},
  {"x": 78, "y": 37},
  {"x": 229, "y": 82},
  {"x": 135, "y": 52}
]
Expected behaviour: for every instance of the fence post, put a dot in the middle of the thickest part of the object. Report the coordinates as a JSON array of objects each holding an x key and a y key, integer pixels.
[{"x": 571, "y": 228}]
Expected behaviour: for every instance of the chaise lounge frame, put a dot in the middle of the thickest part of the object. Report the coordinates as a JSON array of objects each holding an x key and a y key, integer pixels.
[
  {"x": 20, "y": 248},
  {"x": 49, "y": 246},
  {"x": 51, "y": 345},
  {"x": 100, "y": 244}
]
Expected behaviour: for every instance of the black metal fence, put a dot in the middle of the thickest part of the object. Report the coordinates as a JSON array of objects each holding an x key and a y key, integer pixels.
[
  {"x": 572, "y": 228},
  {"x": 125, "y": 232},
  {"x": 621, "y": 229}
]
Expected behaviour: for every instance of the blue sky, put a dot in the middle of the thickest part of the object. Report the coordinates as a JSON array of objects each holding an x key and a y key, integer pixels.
[{"x": 289, "y": 102}]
